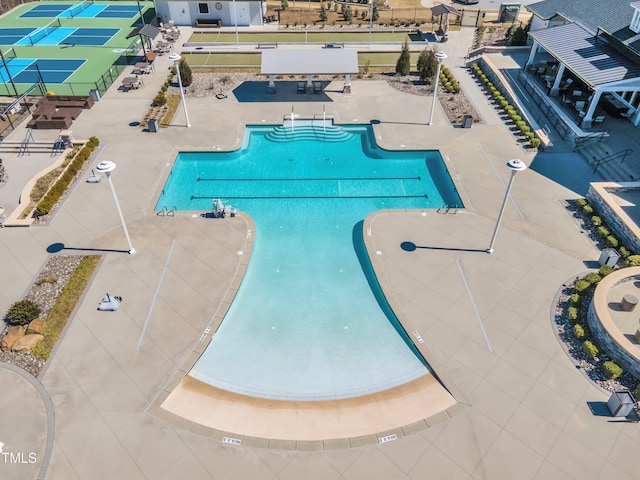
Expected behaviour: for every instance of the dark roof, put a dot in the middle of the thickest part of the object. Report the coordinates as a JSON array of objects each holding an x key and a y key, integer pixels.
[
  {"x": 442, "y": 9},
  {"x": 146, "y": 31},
  {"x": 592, "y": 60},
  {"x": 610, "y": 15}
]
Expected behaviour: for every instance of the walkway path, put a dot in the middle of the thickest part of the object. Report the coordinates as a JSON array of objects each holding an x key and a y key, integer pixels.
[{"x": 529, "y": 415}]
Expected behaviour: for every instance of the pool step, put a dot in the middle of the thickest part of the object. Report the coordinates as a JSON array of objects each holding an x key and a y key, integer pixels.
[{"x": 328, "y": 133}]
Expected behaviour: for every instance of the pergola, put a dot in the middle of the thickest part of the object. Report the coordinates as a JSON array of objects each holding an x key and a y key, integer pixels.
[
  {"x": 327, "y": 61},
  {"x": 595, "y": 63}
]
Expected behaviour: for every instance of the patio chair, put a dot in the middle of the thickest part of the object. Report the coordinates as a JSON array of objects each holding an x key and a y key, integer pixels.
[
  {"x": 577, "y": 93},
  {"x": 580, "y": 105},
  {"x": 599, "y": 119},
  {"x": 317, "y": 87},
  {"x": 301, "y": 87}
]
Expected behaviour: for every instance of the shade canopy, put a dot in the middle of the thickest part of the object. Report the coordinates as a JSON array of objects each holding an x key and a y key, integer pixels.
[
  {"x": 148, "y": 31},
  {"x": 326, "y": 61}
]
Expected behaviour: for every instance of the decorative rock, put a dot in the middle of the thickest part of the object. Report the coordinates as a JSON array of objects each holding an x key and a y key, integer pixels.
[
  {"x": 13, "y": 335},
  {"x": 26, "y": 343},
  {"x": 35, "y": 326},
  {"x": 628, "y": 302}
]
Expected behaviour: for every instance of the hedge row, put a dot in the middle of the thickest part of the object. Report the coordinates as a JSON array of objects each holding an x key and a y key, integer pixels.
[
  {"x": 509, "y": 109},
  {"x": 57, "y": 190},
  {"x": 448, "y": 81},
  {"x": 584, "y": 287}
]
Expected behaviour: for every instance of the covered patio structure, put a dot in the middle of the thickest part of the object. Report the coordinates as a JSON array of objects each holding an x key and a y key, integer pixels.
[
  {"x": 327, "y": 61},
  {"x": 587, "y": 72}
]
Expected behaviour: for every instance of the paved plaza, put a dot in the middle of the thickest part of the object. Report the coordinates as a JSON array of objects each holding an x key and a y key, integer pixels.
[{"x": 523, "y": 409}]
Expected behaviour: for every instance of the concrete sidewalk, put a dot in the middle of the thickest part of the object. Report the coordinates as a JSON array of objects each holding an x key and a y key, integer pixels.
[{"x": 529, "y": 415}]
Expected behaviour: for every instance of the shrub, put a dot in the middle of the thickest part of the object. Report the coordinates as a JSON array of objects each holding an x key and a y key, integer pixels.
[
  {"x": 593, "y": 278},
  {"x": 612, "y": 241},
  {"x": 572, "y": 313},
  {"x": 578, "y": 331},
  {"x": 587, "y": 210},
  {"x": 159, "y": 99},
  {"x": 22, "y": 312},
  {"x": 603, "y": 232},
  {"x": 186, "y": 77},
  {"x": 581, "y": 286},
  {"x": 633, "y": 261},
  {"x": 611, "y": 369},
  {"x": 403, "y": 65},
  {"x": 605, "y": 270},
  {"x": 597, "y": 221},
  {"x": 581, "y": 202},
  {"x": 590, "y": 349},
  {"x": 624, "y": 253},
  {"x": 536, "y": 142},
  {"x": 575, "y": 298}
]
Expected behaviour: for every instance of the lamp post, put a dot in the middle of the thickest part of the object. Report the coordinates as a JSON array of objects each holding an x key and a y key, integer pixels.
[
  {"x": 107, "y": 167},
  {"x": 175, "y": 58},
  {"x": 440, "y": 56},
  {"x": 140, "y": 12},
  {"x": 516, "y": 165},
  {"x": 370, "y": 20},
  {"x": 235, "y": 21}
]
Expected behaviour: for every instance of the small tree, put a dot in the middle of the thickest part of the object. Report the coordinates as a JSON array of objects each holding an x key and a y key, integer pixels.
[
  {"x": 185, "y": 73},
  {"x": 323, "y": 13},
  {"x": 375, "y": 14},
  {"x": 403, "y": 66},
  {"x": 427, "y": 66},
  {"x": 348, "y": 14},
  {"x": 284, "y": 4},
  {"x": 22, "y": 312}
]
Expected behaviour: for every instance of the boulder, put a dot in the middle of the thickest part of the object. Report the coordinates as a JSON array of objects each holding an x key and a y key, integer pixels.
[
  {"x": 26, "y": 343},
  {"x": 13, "y": 335},
  {"x": 35, "y": 326}
]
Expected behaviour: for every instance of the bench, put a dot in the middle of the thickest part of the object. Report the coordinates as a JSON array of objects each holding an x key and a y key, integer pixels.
[{"x": 208, "y": 22}]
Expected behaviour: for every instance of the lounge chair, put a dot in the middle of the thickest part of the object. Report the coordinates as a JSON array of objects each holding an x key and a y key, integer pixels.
[
  {"x": 317, "y": 87},
  {"x": 301, "y": 87}
]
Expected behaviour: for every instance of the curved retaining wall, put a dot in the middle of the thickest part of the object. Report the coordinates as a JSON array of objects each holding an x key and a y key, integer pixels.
[{"x": 609, "y": 337}]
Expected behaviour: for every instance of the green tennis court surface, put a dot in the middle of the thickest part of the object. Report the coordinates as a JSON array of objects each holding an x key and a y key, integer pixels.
[{"x": 71, "y": 47}]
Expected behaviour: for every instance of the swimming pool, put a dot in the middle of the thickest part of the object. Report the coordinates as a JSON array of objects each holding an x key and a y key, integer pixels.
[{"x": 306, "y": 323}]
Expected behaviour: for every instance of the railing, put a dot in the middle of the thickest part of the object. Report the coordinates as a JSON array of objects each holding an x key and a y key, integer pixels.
[
  {"x": 594, "y": 137},
  {"x": 445, "y": 209},
  {"x": 614, "y": 156},
  {"x": 164, "y": 212}
]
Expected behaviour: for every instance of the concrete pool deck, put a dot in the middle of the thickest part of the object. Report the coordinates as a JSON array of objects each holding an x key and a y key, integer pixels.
[{"x": 528, "y": 416}]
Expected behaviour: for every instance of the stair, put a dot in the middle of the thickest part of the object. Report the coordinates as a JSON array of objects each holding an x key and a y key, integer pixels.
[
  {"x": 613, "y": 171},
  {"x": 309, "y": 132}
]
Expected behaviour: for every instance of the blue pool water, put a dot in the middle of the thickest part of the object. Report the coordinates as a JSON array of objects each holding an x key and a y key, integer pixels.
[{"x": 306, "y": 323}]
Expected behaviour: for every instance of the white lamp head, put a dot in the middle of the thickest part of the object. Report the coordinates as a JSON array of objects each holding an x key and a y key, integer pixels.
[
  {"x": 175, "y": 57},
  {"x": 106, "y": 167},
  {"x": 440, "y": 56},
  {"x": 516, "y": 165}
]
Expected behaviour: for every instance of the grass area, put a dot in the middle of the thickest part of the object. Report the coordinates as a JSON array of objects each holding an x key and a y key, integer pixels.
[
  {"x": 64, "y": 306},
  {"x": 173, "y": 101},
  {"x": 384, "y": 59},
  {"x": 299, "y": 37}
]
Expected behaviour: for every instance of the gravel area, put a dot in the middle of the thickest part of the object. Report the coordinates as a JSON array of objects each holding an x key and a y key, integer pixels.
[
  {"x": 564, "y": 327},
  {"x": 53, "y": 277},
  {"x": 208, "y": 84}
]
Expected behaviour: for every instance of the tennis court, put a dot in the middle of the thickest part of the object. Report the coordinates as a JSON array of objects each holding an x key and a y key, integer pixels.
[
  {"x": 86, "y": 9},
  {"x": 30, "y": 70},
  {"x": 60, "y": 36}
]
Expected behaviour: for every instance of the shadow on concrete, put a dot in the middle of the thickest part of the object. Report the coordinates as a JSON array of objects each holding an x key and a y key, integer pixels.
[
  {"x": 286, "y": 91},
  {"x": 58, "y": 247},
  {"x": 410, "y": 247},
  {"x": 566, "y": 169}
]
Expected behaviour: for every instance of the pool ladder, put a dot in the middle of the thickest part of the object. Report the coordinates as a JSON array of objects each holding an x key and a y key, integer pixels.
[
  {"x": 166, "y": 213},
  {"x": 446, "y": 209}
]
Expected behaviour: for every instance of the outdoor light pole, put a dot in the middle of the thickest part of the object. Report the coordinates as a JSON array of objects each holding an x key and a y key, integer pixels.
[
  {"x": 140, "y": 12},
  {"x": 107, "y": 167},
  {"x": 516, "y": 165},
  {"x": 175, "y": 58},
  {"x": 6, "y": 67},
  {"x": 370, "y": 20},
  {"x": 440, "y": 56},
  {"x": 235, "y": 20}
]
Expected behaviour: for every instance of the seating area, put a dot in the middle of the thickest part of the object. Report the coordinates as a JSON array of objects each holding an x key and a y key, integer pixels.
[
  {"x": 58, "y": 112},
  {"x": 133, "y": 82},
  {"x": 208, "y": 23}
]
